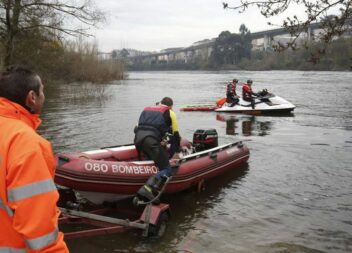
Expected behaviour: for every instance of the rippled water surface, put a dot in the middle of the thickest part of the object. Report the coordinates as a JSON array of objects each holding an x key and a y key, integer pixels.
[{"x": 295, "y": 193}]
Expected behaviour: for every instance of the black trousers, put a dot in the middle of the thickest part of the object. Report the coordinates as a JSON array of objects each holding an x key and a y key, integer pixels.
[
  {"x": 250, "y": 100},
  {"x": 232, "y": 100},
  {"x": 152, "y": 148}
]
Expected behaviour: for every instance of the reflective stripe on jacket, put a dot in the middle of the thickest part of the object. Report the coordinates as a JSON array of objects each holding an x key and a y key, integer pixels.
[{"x": 28, "y": 196}]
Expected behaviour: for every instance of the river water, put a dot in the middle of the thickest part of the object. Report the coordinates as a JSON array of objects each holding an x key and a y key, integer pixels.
[{"x": 295, "y": 193}]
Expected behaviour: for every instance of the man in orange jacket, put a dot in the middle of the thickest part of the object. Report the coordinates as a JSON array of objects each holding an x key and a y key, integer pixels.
[{"x": 28, "y": 196}]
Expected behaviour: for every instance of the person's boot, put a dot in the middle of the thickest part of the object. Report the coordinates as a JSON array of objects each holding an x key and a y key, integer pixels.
[
  {"x": 159, "y": 182},
  {"x": 147, "y": 191},
  {"x": 150, "y": 190}
]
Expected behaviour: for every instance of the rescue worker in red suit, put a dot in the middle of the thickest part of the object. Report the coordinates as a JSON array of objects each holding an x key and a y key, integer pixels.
[
  {"x": 28, "y": 195},
  {"x": 247, "y": 93},
  {"x": 155, "y": 122},
  {"x": 231, "y": 95}
]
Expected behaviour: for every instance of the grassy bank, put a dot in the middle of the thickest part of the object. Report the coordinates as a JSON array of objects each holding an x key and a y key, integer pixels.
[{"x": 70, "y": 61}]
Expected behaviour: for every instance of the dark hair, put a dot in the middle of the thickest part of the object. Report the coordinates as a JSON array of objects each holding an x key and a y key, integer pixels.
[
  {"x": 167, "y": 101},
  {"x": 15, "y": 83},
  {"x": 249, "y": 81},
  {"x": 235, "y": 80}
]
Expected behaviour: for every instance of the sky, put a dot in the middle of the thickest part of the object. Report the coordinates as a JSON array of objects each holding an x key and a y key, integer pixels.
[{"x": 153, "y": 25}]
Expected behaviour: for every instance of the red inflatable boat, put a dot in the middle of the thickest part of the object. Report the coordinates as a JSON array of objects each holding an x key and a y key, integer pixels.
[{"x": 110, "y": 174}]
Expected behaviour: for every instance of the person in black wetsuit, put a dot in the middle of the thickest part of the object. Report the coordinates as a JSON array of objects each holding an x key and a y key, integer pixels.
[{"x": 154, "y": 123}]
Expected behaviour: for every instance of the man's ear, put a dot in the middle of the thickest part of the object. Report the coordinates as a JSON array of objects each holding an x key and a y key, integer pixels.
[{"x": 31, "y": 98}]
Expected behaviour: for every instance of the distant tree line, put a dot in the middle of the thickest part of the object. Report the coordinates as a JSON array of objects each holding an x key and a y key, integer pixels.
[
  {"x": 338, "y": 56},
  {"x": 34, "y": 32}
]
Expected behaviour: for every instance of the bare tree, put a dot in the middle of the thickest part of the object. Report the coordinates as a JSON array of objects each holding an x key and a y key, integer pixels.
[
  {"x": 332, "y": 26},
  {"x": 52, "y": 18}
]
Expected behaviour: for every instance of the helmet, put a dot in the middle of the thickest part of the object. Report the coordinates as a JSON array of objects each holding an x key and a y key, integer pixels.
[
  {"x": 235, "y": 80},
  {"x": 249, "y": 81}
]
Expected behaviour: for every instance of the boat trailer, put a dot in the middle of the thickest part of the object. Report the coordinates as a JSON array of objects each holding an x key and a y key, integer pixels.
[{"x": 76, "y": 223}]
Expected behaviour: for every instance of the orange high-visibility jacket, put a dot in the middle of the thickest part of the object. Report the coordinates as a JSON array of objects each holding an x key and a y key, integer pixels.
[{"x": 28, "y": 196}]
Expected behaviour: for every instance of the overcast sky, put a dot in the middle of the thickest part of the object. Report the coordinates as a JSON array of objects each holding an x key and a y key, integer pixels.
[{"x": 152, "y": 25}]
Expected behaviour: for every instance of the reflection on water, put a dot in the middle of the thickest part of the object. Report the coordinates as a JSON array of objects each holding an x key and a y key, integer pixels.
[
  {"x": 75, "y": 93},
  {"x": 245, "y": 125},
  {"x": 75, "y": 110}
]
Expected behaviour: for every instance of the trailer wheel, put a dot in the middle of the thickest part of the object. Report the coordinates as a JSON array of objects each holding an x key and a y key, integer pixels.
[{"x": 158, "y": 230}]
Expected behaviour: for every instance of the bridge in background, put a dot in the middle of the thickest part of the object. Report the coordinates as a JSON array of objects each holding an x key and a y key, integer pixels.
[{"x": 263, "y": 40}]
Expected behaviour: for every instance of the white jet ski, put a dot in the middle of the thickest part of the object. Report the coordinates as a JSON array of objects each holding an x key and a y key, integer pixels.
[{"x": 268, "y": 103}]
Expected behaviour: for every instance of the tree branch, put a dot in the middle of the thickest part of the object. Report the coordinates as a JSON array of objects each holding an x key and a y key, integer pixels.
[{"x": 315, "y": 10}]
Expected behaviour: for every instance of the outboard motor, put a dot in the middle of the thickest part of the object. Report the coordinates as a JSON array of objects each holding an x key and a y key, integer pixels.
[{"x": 205, "y": 139}]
